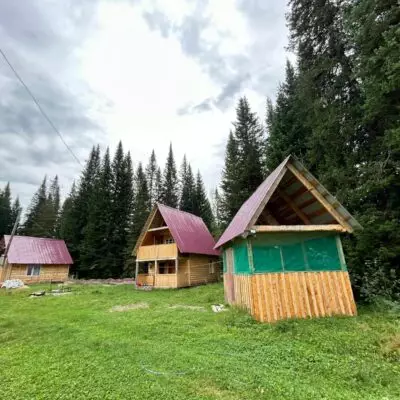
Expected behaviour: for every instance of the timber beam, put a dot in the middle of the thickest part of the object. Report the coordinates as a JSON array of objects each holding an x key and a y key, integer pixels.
[{"x": 299, "y": 228}]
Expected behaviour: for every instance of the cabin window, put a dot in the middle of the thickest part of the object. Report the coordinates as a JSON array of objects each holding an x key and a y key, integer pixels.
[
  {"x": 33, "y": 270},
  {"x": 169, "y": 241},
  {"x": 166, "y": 269}
]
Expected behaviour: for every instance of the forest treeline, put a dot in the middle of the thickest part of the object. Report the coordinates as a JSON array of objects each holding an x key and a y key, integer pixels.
[
  {"x": 337, "y": 111},
  {"x": 104, "y": 213}
]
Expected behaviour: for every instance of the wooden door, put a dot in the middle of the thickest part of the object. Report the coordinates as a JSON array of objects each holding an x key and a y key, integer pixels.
[{"x": 229, "y": 284}]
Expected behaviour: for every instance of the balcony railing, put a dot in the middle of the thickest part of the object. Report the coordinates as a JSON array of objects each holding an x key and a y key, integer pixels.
[{"x": 157, "y": 252}]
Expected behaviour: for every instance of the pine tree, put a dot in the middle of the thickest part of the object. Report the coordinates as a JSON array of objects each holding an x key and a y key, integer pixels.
[
  {"x": 169, "y": 190},
  {"x": 187, "y": 187},
  {"x": 202, "y": 206},
  {"x": 151, "y": 177},
  {"x": 96, "y": 259},
  {"x": 231, "y": 201},
  {"x": 6, "y": 217},
  {"x": 286, "y": 131}
]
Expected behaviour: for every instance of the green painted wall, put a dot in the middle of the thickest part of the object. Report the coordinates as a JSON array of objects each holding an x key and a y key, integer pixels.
[
  {"x": 287, "y": 252},
  {"x": 293, "y": 252}
]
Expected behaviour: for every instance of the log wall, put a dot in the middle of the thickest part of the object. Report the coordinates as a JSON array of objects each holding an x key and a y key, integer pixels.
[
  {"x": 47, "y": 273},
  {"x": 200, "y": 269},
  {"x": 276, "y": 296}
]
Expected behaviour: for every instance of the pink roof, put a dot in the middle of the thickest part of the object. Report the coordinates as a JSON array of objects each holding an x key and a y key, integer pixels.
[
  {"x": 189, "y": 231},
  {"x": 34, "y": 250},
  {"x": 240, "y": 222}
]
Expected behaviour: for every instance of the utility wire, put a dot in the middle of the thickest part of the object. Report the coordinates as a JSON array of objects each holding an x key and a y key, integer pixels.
[{"x": 40, "y": 107}]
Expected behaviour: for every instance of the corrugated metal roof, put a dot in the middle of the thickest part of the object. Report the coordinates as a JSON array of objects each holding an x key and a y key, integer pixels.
[
  {"x": 257, "y": 201},
  {"x": 243, "y": 217},
  {"x": 34, "y": 250},
  {"x": 189, "y": 231}
]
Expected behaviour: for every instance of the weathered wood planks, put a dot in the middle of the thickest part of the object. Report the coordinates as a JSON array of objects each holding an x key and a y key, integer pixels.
[{"x": 276, "y": 296}]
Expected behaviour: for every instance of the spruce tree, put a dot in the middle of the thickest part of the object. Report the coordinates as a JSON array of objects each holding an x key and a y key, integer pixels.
[
  {"x": 217, "y": 207},
  {"x": 6, "y": 217},
  {"x": 187, "y": 190},
  {"x": 169, "y": 190},
  {"x": 230, "y": 186},
  {"x": 286, "y": 131},
  {"x": 35, "y": 222},
  {"x": 141, "y": 210},
  {"x": 249, "y": 137},
  {"x": 81, "y": 205},
  {"x": 67, "y": 223},
  {"x": 158, "y": 186},
  {"x": 121, "y": 208},
  {"x": 328, "y": 91},
  {"x": 15, "y": 210},
  {"x": 374, "y": 254},
  {"x": 151, "y": 177},
  {"x": 96, "y": 259},
  {"x": 202, "y": 206}
]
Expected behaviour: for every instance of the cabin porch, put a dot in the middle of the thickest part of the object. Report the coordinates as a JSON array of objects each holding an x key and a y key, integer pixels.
[{"x": 158, "y": 273}]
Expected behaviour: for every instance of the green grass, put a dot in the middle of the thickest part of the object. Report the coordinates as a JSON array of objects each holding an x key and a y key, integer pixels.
[{"x": 73, "y": 347}]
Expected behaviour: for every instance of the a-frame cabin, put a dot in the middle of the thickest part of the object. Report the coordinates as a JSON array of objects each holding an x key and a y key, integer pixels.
[
  {"x": 283, "y": 257},
  {"x": 175, "y": 249}
]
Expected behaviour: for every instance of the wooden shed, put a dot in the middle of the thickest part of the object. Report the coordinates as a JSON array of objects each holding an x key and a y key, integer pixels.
[
  {"x": 282, "y": 252},
  {"x": 33, "y": 259},
  {"x": 175, "y": 249}
]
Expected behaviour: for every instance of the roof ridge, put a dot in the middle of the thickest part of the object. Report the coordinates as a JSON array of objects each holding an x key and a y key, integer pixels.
[
  {"x": 181, "y": 211},
  {"x": 35, "y": 237}
]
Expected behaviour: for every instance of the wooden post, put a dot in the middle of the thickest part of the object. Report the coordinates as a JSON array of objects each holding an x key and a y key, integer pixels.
[
  {"x": 136, "y": 273},
  {"x": 11, "y": 237},
  {"x": 176, "y": 270},
  {"x": 188, "y": 261},
  {"x": 155, "y": 272}
]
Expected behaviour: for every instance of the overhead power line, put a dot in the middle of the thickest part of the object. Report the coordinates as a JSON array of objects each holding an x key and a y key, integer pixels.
[{"x": 46, "y": 117}]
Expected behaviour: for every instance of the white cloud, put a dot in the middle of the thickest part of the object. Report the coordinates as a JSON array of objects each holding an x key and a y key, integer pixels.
[{"x": 138, "y": 69}]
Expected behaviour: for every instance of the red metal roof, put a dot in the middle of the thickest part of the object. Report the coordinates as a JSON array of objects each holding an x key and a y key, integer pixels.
[
  {"x": 241, "y": 220},
  {"x": 189, "y": 231},
  {"x": 34, "y": 250}
]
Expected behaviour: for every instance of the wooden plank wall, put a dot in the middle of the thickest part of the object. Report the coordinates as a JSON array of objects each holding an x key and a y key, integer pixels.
[
  {"x": 243, "y": 296},
  {"x": 183, "y": 272},
  {"x": 145, "y": 279},
  {"x": 200, "y": 269},
  {"x": 164, "y": 281},
  {"x": 47, "y": 273},
  {"x": 301, "y": 295}
]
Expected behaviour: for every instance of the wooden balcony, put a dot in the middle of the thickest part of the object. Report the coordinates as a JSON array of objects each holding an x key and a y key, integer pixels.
[{"x": 157, "y": 252}]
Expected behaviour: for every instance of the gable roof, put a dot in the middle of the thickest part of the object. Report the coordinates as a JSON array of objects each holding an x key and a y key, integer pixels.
[
  {"x": 34, "y": 250},
  {"x": 188, "y": 230},
  {"x": 251, "y": 209}
]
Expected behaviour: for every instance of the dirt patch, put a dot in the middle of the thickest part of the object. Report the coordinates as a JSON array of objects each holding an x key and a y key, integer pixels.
[
  {"x": 186, "y": 307},
  {"x": 128, "y": 307}
]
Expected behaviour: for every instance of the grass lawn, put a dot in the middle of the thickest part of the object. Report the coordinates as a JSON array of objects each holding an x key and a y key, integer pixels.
[{"x": 73, "y": 347}]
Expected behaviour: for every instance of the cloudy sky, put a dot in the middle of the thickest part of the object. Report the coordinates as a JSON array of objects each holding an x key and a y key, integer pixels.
[{"x": 144, "y": 72}]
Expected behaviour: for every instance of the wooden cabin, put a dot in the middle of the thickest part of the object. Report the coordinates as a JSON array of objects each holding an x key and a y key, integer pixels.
[
  {"x": 33, "y": 259},
  {"x": 175, "y": 249},
  {"x": 282, "y": 252}
]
